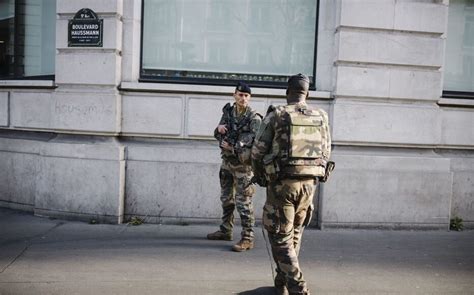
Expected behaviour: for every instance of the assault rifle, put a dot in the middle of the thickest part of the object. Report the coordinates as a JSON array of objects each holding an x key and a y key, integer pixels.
[
  {"x": 232, "y": 135},
  {"x": 233, "y": 127}
]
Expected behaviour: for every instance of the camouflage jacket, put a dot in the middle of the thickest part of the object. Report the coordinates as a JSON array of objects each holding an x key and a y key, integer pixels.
[
  {"x": 272, "y": 141},
  {"x": 241, "y": 133}
]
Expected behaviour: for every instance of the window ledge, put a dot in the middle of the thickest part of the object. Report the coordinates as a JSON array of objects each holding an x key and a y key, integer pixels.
[
  {"x": 27, "y": 84},
  {"x": 456, "y": 102},
  {"x": 190, "y": 88}
]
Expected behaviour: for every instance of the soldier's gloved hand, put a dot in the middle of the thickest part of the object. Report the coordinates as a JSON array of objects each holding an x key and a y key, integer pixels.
[
  {"x": 225, "y": 145},
  {"x": 222, "y": 129}
]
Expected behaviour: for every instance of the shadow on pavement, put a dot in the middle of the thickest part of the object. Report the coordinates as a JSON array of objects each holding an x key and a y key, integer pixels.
[{"x": 259, "y": 291}]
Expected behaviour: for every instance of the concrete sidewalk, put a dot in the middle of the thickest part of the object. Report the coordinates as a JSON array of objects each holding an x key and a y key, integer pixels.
[{"x": 43, "y": 256}]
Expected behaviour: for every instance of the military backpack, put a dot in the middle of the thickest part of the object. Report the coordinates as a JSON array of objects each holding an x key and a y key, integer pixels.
[{"x": 303, "y": 148}]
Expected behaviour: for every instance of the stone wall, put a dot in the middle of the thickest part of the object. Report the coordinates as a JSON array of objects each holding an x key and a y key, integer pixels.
[
  {"x": 98, "y": 144},
  {"x": 388, "y": 126}
]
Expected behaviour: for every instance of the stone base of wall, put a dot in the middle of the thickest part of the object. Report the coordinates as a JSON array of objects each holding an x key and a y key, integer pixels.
[
  {"x": 176, "y": 182},
  {"x": 85, "y": 217},
  {"x": 393, "y": 188},
  {"x": 384, "y": 226},
  {"x": 17, "y": 206},
  {"x": 65, "y": 176}
]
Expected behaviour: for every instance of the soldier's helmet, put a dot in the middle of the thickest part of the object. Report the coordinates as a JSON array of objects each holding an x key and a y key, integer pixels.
[{"x": 298, "y": 84}]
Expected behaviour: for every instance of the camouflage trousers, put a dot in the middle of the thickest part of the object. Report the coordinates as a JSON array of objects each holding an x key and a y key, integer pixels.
[
  {"x": 236, "y": 194},
  {"x": 288, "y": 209}
]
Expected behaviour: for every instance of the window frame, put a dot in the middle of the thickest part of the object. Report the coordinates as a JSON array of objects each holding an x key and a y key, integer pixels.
[
  {"x": 24, "y": 77},
  {"x": 150, "y": 78},
  {"x": 457, "y": 94},
  {"x": 38, "y": 77},
  {"x": 454, "y": 94}
]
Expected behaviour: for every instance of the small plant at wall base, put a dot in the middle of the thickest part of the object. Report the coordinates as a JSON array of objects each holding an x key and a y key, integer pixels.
[
  {"x": 135, "y": 221},
  {"x": 456, "y": 224}
]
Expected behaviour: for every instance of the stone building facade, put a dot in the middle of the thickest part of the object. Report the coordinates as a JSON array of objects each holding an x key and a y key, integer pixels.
[{"x": 97, "y": 141}]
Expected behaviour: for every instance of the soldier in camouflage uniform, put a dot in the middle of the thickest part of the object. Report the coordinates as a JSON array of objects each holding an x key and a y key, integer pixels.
[
  {"x": 236, "y": 132},
  {"x": 289, "y": 156}
]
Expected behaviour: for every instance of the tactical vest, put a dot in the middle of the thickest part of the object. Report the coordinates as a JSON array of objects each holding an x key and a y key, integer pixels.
[
  {"x": 301, "y": 142},
  {"x": 242, "y": 135}
]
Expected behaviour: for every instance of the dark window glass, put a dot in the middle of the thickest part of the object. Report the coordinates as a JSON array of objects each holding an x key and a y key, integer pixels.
[
  {"x": 27, "y": 38},
  {"x": 459, "y": 58},
  {"x": 220, "y": 41}
]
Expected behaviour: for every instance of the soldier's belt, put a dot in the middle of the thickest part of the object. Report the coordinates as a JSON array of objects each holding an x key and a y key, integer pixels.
[
  {"x": 305, "y": 162},
  {"x": 298, "y": 177}
]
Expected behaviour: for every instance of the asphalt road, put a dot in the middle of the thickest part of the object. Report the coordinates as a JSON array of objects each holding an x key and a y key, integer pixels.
[{"x": 44, "y": 256}]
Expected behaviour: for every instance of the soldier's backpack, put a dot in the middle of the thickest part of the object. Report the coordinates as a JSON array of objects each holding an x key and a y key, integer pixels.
[{"x": 307, "y": 139}]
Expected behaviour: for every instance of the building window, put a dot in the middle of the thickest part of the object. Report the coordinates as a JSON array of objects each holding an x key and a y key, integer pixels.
[
  {"x": 27, "y": 38},
  {"x": 459, "y": 61},
  {"x": 222, "y": 41}
]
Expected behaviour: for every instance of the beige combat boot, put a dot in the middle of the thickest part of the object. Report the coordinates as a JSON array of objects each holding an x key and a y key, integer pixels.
[
  {"x": 220, "y": 235},
  {"x": 243, "y": 245}
]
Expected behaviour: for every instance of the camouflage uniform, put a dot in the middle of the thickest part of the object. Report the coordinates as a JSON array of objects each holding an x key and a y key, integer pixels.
[
  {"x": 235, "y": 173},
  {"x": 290, "y": 189}
]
